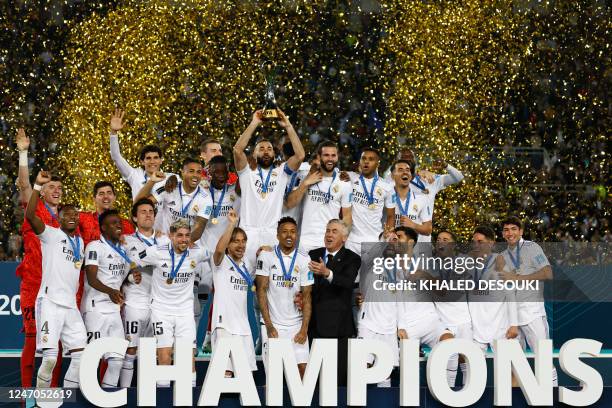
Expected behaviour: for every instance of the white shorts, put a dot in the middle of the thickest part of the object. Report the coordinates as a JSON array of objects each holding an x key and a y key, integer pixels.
[
  {"x": 389, "y": 339},
  {"x": 356, "y": 246},
  {"x": 530, "y": 333},
  {"x": 137, "y": 324},
  {"x": 301, "y": 351},
  {"x": 461, "y": 331},
  {"x": 56, "y": 322},
  {"x": 427, "y": 330},
  {"x": 168, "y": 327},
  {"x": 258, "y": 237},
  {"x": 206, "y": 278},
  {"x": 220, "y": 333},
  {"x": 101, "y": 325},
  {"x": 305, "y": 248}
]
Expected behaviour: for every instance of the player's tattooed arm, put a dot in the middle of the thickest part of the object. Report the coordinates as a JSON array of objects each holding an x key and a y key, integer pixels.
[
  {"x": 240, "y": 158},
  {"x": 23, "y": 175},
  {"x": 299, "y": 154},
  {"x": 223, "y": 242},
  {"x": 262, "y": 282},
  {"x": 198, "y": 229},
  {"x": 390, "y": 224},
  {"x": 92, "y": 279},
  {"x": 145, "y": 191},
  {"x": 302, "y": 335},
  {"x": 38, "y": 226}
]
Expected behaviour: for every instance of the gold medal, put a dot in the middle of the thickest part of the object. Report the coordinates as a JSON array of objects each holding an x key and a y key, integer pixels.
[
  {"x": 77, "y": 264},
  {"x": 253, "y": 288},
  {"x": 133, "y": 265},
  {"x": 372, "y": 206},
  {"x": 263, "y": 195},
  {"x": 215, "y": 221},
  {"x": 169, "y": 281}
]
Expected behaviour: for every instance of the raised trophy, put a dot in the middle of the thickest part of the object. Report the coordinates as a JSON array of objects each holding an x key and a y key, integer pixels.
[{"x": 270, "y": 72}]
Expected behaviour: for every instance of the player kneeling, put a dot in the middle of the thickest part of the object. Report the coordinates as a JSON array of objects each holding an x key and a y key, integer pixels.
[
  {"x": 174, "y": 277},
  {"x": 280, "y": 276}
]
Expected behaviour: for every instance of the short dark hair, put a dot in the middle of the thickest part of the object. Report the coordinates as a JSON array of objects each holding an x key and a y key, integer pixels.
[
  {"x": 286, "y": 220},
  {"x": 513, "y": 220},
  {"x": 370, "y": 149},
  {"x": 150, "y": 149},
  {"x": 218, "y": 160},
  {"x": 449, "y": 232},
  {"x": 67, "y": 206},
  {"x": 206, "y": 142},
  {"x": 326, "y": 143},
  {"x": 142, "y": 201},
  {"x": 262, "y": 140},
  {"x": 410, "y": 164},
  {"x": 105, "y": 214},
  {"x": 190, "y": 160},
  {"x": 56, "y": 178},
  {"x": 485, "y": 230},
  {"x": 288, "y": 149},
  {"x": 408, "y": 231},
  {"x": 103, "y": 183}
]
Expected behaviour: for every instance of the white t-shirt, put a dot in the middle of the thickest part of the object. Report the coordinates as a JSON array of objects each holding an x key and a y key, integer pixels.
[
  {"x": 319, "y": 208},
  {"x": 531, "y": 259},
  {"x": 176, "y": 298},
  {"x": 489, "y": 317},
  {"x": 453, "y": 313},
  {"x": 418, "y": 209},
  {"x": 180, "y": 205},
  {"x": 213, "y": 232},
  {"x": 281, "y": 292},
  {"x": 138, "y": 295},
  {"x": 112, "y": 271},
  {"x": 367, "y": 222},
  {"x": 230, "y": 300},
  {"x": 60, "y": 275},
  {"x": 255, "y": 210}
]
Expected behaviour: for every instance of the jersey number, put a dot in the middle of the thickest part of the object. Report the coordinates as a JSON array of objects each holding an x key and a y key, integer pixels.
[
  {"x": 92, "y": 336},
  {"x": 158, "y": 328},
  {"x": 131, "y": 327},
  {"x": 45, "y": 328}
]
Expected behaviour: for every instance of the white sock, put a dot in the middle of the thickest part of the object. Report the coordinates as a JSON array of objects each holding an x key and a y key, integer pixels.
[
  {"x": 111, "y": 377},
  {"x": 71, "y": 379},
  {"x": 163, "y": 384},
  {"x": 45, "y": 371},
  {"x": 194, "y": 378},
  {"x": 451, "y": 369},
  {"x": 463, "y": 368},
  {"x": 554, "y": 378},
  {"x": 127, "y": 371}
]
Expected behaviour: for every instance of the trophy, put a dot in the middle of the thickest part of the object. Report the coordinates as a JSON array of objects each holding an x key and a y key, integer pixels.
[{"x": 270, "y": 72}]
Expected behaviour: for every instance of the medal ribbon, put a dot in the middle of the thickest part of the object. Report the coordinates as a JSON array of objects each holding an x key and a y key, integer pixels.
[
  {"x": 146, "y": 241},
  {"x": 289, "y": 187},
  {"x": 76, "y": 246},
  {"x": 516, "y": 261},
  {"x": 119, "y": 250},
  {"x": 398, "y": 200},
  {"x": 286, "y": 275},
  {"x": 245, "y": 274},
  {"x": 173, "y": 271},
  {"x": 328, "y": 195},
  {"x": 185, "y": 209},
  {"x": 392, "y": 278},
  {"x": 484, "y": 269},
  {"x": 370, "y": 195},
  {"x": 264, "y": 187},
  {"x": 217, "y": 208},
  {"x": 417, "y": 182},
  {"x": 53, "y": 215}
]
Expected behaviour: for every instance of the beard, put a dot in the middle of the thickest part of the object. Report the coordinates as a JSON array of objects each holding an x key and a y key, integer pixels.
[{"x": 265, "y": 162}]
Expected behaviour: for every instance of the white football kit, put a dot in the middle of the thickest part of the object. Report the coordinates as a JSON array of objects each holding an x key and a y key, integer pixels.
[
  {"x": 57, "y": 315},
  {"x": 172, "y": 289},
  {"x": 284, "y": 314},
  {"x": 179, "y": 204},
  {"x": 415, "y": 207}
]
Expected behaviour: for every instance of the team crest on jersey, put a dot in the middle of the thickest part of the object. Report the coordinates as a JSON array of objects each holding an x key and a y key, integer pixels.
[
  {"x": 379, "y": 191},
  {"x": 296, "y": 269},
  {"x": 44, "y": 338},
  {"x": 415, "y": 208},
  {"x": 193, "y": 264},
  {"x": 336, "y": 188},
  {"x": 232, "y": 198},
  {"x": 196, "y": 208},
  {"x": 274, "y": 173}
]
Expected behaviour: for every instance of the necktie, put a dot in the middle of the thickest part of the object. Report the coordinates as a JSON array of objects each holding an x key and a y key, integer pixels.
[{"x": 329, "y": 259}]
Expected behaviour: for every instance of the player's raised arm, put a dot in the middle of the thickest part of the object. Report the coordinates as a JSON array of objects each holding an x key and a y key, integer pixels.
[
  {"x": 145, "y": 191},
  {"x": 198, "y": 229},
  {"x": 38, "y": 225},
  {"x": 226, "y": 237},
  {"x": 452, "y": 176},
  {"x": 299, "y": 154},
  {"x": 23, "y": 175},
  {"x": 240, "y": 159},
  {"x": 295, "y": 197},
  {"x": 116, "y": 124}
]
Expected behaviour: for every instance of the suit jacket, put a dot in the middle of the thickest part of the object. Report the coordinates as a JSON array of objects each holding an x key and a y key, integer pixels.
[{"x": 332, "y": 315}]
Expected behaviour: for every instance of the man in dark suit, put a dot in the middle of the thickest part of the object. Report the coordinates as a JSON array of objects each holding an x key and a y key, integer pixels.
[{"x": 335, "y": 269}]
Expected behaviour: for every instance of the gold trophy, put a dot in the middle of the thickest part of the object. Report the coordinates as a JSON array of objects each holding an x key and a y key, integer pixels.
[{"x": 270, "y": 71}]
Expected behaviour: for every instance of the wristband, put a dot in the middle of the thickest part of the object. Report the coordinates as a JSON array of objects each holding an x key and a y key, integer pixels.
[
  {"x": 130, "y": 278},
  {"x": 37, "y": 187},
  {"x": 23, "y": 158}
]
